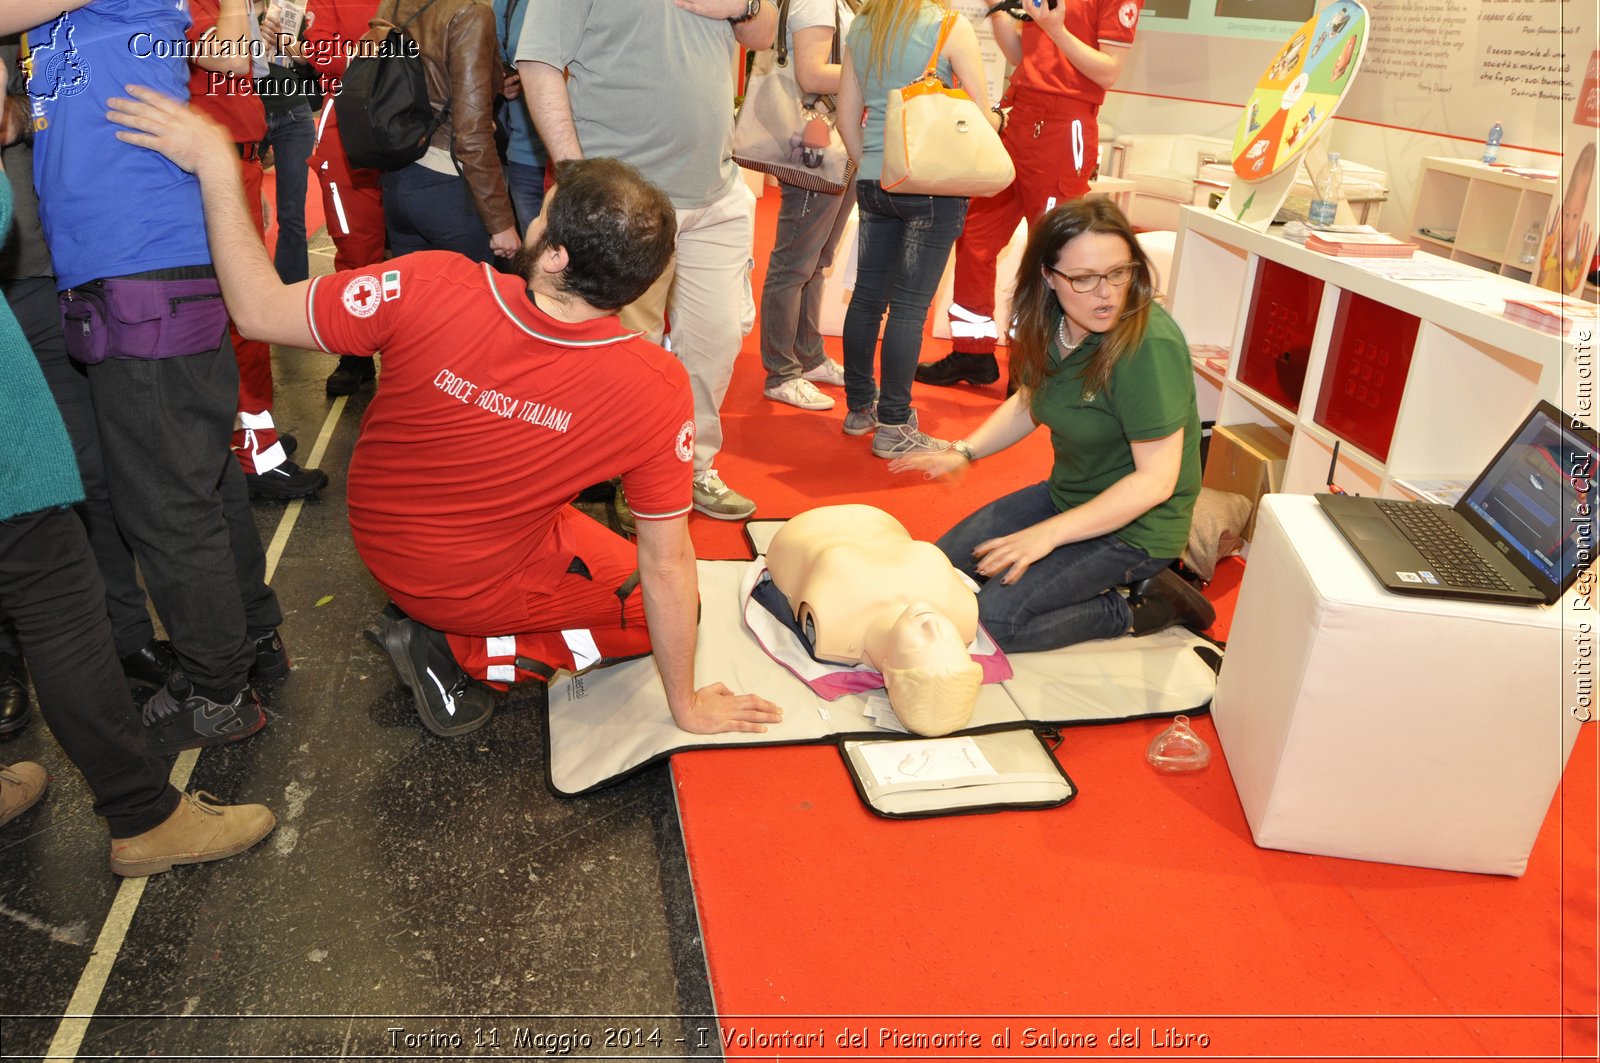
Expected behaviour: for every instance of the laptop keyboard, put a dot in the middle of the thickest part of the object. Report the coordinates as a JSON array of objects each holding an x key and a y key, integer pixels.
[{"x": 1454, "y": 560}]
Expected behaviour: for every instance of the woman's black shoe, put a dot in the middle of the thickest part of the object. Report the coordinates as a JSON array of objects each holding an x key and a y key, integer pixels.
[
  {"x": 1166, "y": 599},
  {"x": 15, "y": 705}
]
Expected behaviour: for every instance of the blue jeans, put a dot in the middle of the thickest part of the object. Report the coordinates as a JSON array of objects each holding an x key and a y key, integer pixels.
[
  {"x": 1068, "y": 596},
  {"x": 291, "y": 135},
  {"x": 424, "y": 210},
  {"x": 526, "y": 185},
  {"x": 809, "y": 227},
  {"x": 905, "y": 244}
]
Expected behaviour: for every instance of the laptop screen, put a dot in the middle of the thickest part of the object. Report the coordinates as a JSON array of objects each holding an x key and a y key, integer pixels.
[{"x": 1536, "y": 500}]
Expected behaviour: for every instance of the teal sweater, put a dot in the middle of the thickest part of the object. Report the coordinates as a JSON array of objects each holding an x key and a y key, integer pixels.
[{"x": 37, "y": 467}]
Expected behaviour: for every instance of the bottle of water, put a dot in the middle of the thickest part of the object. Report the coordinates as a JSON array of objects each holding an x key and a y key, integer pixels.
[
  {"x": 1491, "y": 146},
  {"x": 1530, "y": 244},
  {"x": 1326, "y": 203}
]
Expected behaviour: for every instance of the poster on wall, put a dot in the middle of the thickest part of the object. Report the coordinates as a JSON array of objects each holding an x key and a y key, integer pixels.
[
  {"x": 1566, "y": 255},
  {"x": 1288, "y": 108}
]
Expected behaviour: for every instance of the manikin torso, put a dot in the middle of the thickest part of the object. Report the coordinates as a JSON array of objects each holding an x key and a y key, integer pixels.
[{"x": 865, "y": 592}]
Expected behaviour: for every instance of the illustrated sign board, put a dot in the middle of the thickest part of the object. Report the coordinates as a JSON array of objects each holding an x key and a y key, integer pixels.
[{"x": 1292, "y": 101}]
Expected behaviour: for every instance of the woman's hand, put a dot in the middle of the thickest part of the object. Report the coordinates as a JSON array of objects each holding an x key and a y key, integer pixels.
[
  {"x": 931, "y": 464},
  {"x": 1013, "y": 554}
]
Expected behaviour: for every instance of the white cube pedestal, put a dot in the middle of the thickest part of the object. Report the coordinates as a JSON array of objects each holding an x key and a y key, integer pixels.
[{"x": 1376, "y": 726}]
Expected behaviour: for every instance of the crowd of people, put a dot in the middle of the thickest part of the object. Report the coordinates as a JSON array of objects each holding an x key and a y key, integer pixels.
[{"x": 561, "y": 279}]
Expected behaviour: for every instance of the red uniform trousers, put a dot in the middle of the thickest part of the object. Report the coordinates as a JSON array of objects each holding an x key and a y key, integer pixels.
[
  {"x": 255, "y": 439},
  {"x": 352, "y": 199},
  {"x": 1053, "y": 141},
  {"x": 593, "y": 615}
]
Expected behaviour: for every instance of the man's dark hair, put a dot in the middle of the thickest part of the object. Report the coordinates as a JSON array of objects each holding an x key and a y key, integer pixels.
[{"x": 618, "y": 229}]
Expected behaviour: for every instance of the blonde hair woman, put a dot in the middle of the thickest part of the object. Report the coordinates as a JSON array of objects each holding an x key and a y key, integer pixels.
[{"x": 905, "y": 240}]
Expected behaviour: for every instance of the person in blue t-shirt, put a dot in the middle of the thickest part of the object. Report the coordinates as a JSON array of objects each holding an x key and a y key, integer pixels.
[
  {"x": 525, "y": 154},
  {"x": 142, "y": 309}
]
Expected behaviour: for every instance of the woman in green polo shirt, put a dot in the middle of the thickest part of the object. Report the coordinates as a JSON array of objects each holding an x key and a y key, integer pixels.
[{"x": 1108, "y": 373}]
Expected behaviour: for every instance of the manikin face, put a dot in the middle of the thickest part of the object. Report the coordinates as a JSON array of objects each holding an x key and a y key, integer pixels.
[
  {"x": 923, "y": 637},
  {"x": 1098, "y": 309}
]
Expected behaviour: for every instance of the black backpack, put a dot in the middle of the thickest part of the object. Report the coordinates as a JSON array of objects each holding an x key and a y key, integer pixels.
[{"x": 385, "y": 116}]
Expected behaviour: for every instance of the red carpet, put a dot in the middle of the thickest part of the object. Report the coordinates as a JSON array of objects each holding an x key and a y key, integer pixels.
[{"x": 1141, "y": 906}]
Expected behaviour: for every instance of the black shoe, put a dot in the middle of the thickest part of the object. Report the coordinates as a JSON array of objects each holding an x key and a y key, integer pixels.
[
  {"x": 286, "y": 481},
  {"x": 272, "y": 660},
  {"x": 449, "y": 701},
  {"x": 1166, "y": 599},
  {"x": 152, "y": 665},
  {"x": 957, "y": 368},
  {"x": 178, "y": 717},
  {"x": 353, "y": 371},
  {"x": 289, "y": 444},
  {"x": 15, "y": 705}
]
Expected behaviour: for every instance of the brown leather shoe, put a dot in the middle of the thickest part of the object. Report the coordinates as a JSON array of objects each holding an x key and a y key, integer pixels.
[
  {"x": 199, "y": 830},
  {"x": 21, "y": 786}
]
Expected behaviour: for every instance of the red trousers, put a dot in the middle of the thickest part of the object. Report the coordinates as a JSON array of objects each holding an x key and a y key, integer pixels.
[
  {"x": 255, "y": 439},
  {"x": 592, "y": 614},
  {"x": 352, "y": 199},
  {"x": 1053, "y": 142}
]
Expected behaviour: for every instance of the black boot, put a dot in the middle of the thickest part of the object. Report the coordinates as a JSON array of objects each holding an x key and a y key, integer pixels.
[
  {"x": 957, "y": 368},
  {"x": 353, "y": 372},
  {"x": 151, "y": 665},
  {"x": 1166, "y": 599},
  {"x": 15, "y": 706}
]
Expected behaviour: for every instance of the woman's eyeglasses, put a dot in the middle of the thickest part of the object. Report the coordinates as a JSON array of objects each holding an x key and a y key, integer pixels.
[{"x": 1088, "y": 282}]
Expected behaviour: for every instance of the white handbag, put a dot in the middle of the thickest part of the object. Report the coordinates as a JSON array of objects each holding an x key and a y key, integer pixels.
[{"x": 937, "y": 140}]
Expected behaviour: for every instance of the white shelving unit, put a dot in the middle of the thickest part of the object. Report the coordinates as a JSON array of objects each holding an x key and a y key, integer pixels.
[
  {"x": 1472, "y": 373},
  {"x": 1489, "y": 210}
]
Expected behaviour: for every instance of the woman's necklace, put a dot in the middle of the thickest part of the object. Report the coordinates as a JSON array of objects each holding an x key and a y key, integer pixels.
[{"x": 1061, "y": 335}]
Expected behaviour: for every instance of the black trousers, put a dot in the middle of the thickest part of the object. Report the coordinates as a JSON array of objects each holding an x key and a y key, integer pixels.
[
  {"x": 34, "y": 301},
  {"x": 180, "y": 498},
  {"x": 50, "y": 589}
]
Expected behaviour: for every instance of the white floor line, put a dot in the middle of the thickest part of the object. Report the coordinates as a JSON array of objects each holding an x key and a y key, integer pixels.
[{"x": 92, "y": 983}]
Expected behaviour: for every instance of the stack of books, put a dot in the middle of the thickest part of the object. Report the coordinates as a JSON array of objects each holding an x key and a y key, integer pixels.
[
  {"x": 1553, "y": 313},
  {"x": 1369, "y": 243}
]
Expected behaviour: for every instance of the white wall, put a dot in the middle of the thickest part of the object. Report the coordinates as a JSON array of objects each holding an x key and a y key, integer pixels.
[{"x": 1178, "y": 81}]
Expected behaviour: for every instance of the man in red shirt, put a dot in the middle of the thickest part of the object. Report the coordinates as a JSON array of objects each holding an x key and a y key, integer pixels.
[
  {"x": 221, "y": 86},
  {"x": 1066, "y": 58},
  {"x": 470, "y": 453}
]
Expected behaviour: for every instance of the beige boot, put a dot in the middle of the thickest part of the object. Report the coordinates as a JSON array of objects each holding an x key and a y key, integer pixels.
[
  {"x": 199, "y": 830},
  {"x": 21, "y": 786}
]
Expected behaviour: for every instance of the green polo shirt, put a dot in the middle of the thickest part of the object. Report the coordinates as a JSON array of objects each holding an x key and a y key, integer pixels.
[{"x": 1151, "y": 396}]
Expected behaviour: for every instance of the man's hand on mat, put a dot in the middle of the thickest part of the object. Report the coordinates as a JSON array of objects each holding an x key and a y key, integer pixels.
[{"x": 715, "y": 708}]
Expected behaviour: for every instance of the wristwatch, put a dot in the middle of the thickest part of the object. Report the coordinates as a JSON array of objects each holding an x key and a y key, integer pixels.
[
  {"x": 752, "y": 8},
  {"x": 962, "y": 447}
]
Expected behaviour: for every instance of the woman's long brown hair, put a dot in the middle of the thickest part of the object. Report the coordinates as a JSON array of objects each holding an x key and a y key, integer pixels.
[{"x": 1036, "y": 310}]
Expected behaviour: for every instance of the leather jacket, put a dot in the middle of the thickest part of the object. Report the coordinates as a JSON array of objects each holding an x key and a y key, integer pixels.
[{"x": 461, "y": 55}]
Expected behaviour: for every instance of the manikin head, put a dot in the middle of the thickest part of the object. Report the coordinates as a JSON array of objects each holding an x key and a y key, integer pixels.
[{"x": 931, "y": 679}]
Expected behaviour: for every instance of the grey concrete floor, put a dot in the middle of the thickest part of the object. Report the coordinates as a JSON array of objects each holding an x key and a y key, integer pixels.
[{"x": 420, "y": 897}]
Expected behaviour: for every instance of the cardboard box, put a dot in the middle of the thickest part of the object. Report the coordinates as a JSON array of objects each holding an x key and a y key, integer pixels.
[{"x": 1247, "y": 459}]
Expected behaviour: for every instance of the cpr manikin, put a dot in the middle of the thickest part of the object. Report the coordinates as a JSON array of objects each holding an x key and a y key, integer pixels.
[{"x": 865, "y": 592}]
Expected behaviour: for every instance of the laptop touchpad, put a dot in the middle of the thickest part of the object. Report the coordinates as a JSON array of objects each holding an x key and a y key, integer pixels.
[{"x": 1370, "y": 529}]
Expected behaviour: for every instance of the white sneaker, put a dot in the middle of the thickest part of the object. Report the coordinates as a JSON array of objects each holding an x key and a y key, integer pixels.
[
  {"x": 716, "y": 499},
  {"x": 799, "y": 392},
  {"x": 829, "y": 372}
]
